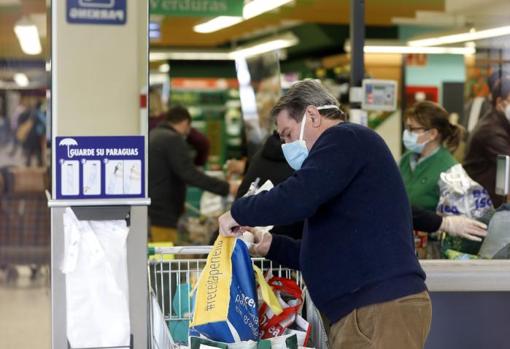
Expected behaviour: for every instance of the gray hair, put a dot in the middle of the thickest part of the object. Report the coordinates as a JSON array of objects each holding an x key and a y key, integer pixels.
[{"x": 304, "y": 94}]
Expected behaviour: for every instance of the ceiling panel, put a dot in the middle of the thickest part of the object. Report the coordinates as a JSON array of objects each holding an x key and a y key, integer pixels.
[{"x": 178, "y": 32}]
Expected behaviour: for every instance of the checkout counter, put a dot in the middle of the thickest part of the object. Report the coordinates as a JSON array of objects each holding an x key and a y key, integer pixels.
[
  {"x": 470, "y": 303},
  {"x": 471, "y": 299}
]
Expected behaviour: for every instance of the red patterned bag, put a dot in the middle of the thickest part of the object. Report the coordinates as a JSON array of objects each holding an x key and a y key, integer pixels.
[{"x": 289, "y": 321}]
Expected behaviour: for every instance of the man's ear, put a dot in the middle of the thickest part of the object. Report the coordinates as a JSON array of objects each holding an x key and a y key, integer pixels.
[{"x": 315, "y": 116}]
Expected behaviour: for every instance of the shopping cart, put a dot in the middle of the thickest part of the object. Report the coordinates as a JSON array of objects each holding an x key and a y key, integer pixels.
[
  {"x": 171, "y": 282},
  {"x": 24, "y": 221}
]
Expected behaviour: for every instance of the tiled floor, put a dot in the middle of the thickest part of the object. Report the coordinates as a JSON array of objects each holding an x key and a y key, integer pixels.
[{"x": 25, "y": 320}]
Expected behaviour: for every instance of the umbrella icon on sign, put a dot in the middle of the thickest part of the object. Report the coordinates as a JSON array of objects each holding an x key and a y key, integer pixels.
[{"x": 68, "y": 142}]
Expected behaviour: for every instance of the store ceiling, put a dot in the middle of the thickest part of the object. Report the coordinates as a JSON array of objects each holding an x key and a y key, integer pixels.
[
  {"x": 318, "y": 21},
  {"x": 178, "y": 31},
  {"x": 10, "y": 12}
]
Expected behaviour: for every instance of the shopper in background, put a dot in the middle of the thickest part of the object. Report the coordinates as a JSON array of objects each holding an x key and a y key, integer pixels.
[
  {"x": 491, "y": 138},
  {"x": 430, "y": 139},
  {"x": 268, "y": 163},
  {"x": 480, "y": 103},
  {"x": 171, "y": 169},
  {"x": 156, "y": 108},
  {"x": 34, "y": 140},
  {"x": 357, "y": 252},
  {"x": 200, "y": 146},
  {"x": 21, "y": 108}
]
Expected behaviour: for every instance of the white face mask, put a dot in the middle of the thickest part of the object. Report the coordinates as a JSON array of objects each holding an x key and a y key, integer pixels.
[
  {"x": 410, "y": 140},
  {"x": 296, "y": 152}
]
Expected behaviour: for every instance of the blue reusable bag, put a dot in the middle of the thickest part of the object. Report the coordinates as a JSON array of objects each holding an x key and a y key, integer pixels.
[{"x": 225, "y": 302}]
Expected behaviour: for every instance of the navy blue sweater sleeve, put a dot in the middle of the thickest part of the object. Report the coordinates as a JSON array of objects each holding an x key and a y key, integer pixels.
[
  {"x": 285, "y": 251},
  {"x": 332, "y": 164}
]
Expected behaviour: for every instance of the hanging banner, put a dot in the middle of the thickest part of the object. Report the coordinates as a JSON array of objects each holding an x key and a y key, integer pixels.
[
  {"x": 196, "y": 8},
  {"x": 100, "y": 167}
]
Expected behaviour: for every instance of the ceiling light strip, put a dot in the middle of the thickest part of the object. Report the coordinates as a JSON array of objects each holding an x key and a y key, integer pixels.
[
  {"x": 250, "y": 10},
  {"x": 28, "y": 36},
  {"x": 420, "y": 50},
  {"x": 274, "y": 43},
  {"x": 472, "y": 35}
]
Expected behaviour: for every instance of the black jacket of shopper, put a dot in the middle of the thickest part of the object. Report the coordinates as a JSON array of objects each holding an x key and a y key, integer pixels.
[
  {"x": 490, "y": 138},
  {"x": 269, "y": 163},
  {"x": 171, "y": 168}
]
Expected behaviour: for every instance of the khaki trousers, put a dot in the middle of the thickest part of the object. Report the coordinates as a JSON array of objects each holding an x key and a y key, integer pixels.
[
  {"x": 163, "y": 234},
  {"x": 403, "y": 323}
]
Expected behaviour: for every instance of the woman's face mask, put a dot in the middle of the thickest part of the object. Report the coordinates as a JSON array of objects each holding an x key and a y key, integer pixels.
[
  {"x": 296, "y": 152},
  {"x": 411, "y": 142}
]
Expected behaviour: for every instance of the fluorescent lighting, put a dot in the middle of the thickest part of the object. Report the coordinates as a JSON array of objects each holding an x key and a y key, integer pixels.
[
  {"x": 250, "y": 10},
  {"x": 189, "y": 55},
  {"x": 216, "y": 24},
  {"x": 275, "y": 43},
  {"x": 255, "y": 50},
  {"x": 28, "y": 36},
  {"x": 418, "y": 50},
  {"x": 258, "y": 7},
  {"x": 271, "y": 44},
  {"x": 472, "y": 35},
  {"x": 395, "y": 47},
  {"x": 164, "y": 68},
  {"x": 21, "y": 80}
]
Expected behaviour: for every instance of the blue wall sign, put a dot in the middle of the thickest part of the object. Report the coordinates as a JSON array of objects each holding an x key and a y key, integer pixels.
[
  {"x": 97, "y": 11},
  {"x": 100, "y": 167}
]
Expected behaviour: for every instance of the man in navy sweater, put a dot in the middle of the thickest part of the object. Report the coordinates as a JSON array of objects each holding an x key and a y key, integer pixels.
[{"x": 357, "y": 253}]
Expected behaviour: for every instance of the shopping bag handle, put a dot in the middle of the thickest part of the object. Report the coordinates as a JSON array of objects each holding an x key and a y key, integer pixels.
[{"x": 267, "y": 292}]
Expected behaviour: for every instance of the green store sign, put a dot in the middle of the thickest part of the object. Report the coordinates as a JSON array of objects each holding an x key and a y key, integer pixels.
[{"x": 196, "y": 8}]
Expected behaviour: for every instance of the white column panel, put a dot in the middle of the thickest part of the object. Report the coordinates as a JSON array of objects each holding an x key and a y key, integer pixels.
[{"x": 98, "y": 73}]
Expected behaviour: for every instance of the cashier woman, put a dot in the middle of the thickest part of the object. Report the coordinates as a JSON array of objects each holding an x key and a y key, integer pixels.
[{"x": 357, "y": 251}]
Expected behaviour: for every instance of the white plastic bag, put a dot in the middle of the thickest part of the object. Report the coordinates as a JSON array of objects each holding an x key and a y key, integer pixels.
[
  {"x": 318, "y": 337},
  {"x": 161, "y": 338},
  {"x": 211, "y": 205},
  {"x": 460, "y": 195},
  {"x": 267, "y": 186},
  {"x": 97, "y": 296}
]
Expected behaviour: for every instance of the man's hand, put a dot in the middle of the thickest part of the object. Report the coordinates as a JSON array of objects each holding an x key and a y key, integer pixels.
[
  {"x": 228, "y": 225},
  {"x": 463, "y": 227},
  {"x": 261, "y": 242}
]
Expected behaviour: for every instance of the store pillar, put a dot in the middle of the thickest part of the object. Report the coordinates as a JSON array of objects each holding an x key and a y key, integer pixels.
[{"x": 99, "y": 75}]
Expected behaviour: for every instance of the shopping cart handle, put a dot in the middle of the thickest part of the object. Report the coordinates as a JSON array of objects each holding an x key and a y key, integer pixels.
[{"x": 151, "y": 251}]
